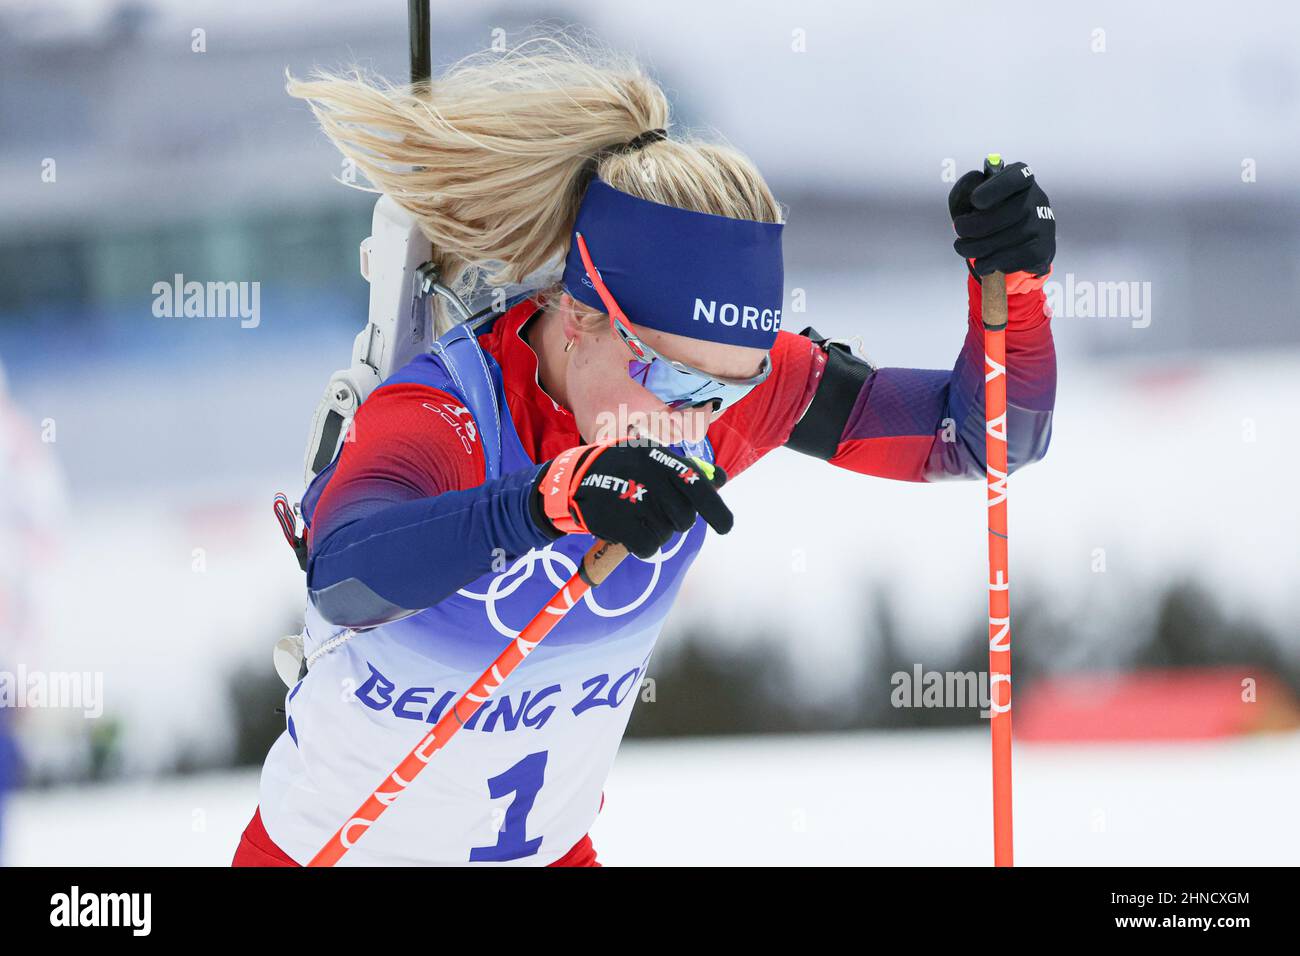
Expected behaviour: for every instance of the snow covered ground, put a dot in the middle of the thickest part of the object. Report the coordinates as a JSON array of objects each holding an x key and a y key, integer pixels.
[{"x": 915, "y": 798}]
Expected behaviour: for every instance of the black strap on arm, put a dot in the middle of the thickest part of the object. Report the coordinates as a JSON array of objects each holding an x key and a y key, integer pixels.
[{"x": 818, "y": 432}]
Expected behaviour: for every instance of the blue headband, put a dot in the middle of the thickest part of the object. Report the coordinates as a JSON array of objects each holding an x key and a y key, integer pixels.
[{"x": 676, "y": 270}]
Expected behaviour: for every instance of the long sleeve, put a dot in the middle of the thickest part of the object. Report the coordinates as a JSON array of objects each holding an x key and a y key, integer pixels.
[
  {"x": 909, "y": 424},
  {"x": 407, "y": 518},
  {"x": 921, "y": 425}
]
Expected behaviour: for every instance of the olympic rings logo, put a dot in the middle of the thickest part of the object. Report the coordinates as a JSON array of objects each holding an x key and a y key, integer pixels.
[{"x": 509, "y": 581}]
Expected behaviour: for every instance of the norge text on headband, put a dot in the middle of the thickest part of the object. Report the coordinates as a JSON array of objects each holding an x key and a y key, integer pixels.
[{"x": 677, "y": 270}]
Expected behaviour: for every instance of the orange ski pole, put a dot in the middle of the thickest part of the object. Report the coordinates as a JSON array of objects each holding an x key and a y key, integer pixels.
[{"x": 993, "y": 302}]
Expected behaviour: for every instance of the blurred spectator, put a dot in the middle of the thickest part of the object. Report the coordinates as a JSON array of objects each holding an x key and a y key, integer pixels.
[{"x": 32, "y": 501}]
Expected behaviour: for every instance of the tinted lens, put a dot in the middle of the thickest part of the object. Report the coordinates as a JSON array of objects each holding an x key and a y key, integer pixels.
[{"x": 678, "y": 389}]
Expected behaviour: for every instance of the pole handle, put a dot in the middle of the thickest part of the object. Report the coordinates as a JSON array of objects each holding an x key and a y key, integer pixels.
[
  {"x": 993, "y": 297},
  {"x": 600, "y": 561}
]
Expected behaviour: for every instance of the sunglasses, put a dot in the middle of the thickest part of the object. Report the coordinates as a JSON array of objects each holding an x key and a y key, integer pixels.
[{"x": 674, "y": 383}]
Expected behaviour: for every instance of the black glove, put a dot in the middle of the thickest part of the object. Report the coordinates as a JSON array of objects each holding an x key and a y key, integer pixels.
[
  {"x": 1004, "y": 222},
  {"x": 633, "y": 495}
]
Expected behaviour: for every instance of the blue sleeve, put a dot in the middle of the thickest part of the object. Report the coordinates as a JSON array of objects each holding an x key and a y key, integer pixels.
[
  {"x": 406, "y": 517},
  {"x": 409, "y": 555}
]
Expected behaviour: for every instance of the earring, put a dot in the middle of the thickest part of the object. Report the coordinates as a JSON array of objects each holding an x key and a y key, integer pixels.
[{"x": 568, "y": 344}]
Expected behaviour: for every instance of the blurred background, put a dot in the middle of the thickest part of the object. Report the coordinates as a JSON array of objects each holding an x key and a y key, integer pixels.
[{"x": 143, "y": 580}]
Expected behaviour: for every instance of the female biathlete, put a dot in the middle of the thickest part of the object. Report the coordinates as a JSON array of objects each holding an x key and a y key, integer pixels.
[{"x": 453, "y": 513}]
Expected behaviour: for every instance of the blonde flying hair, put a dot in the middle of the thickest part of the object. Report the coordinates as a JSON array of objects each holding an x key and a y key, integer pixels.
[{"x": 492, "y": 157}]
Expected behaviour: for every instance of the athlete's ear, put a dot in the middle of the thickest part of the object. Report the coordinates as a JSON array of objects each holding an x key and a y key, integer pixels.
[{"x": 569, "y": 317}]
